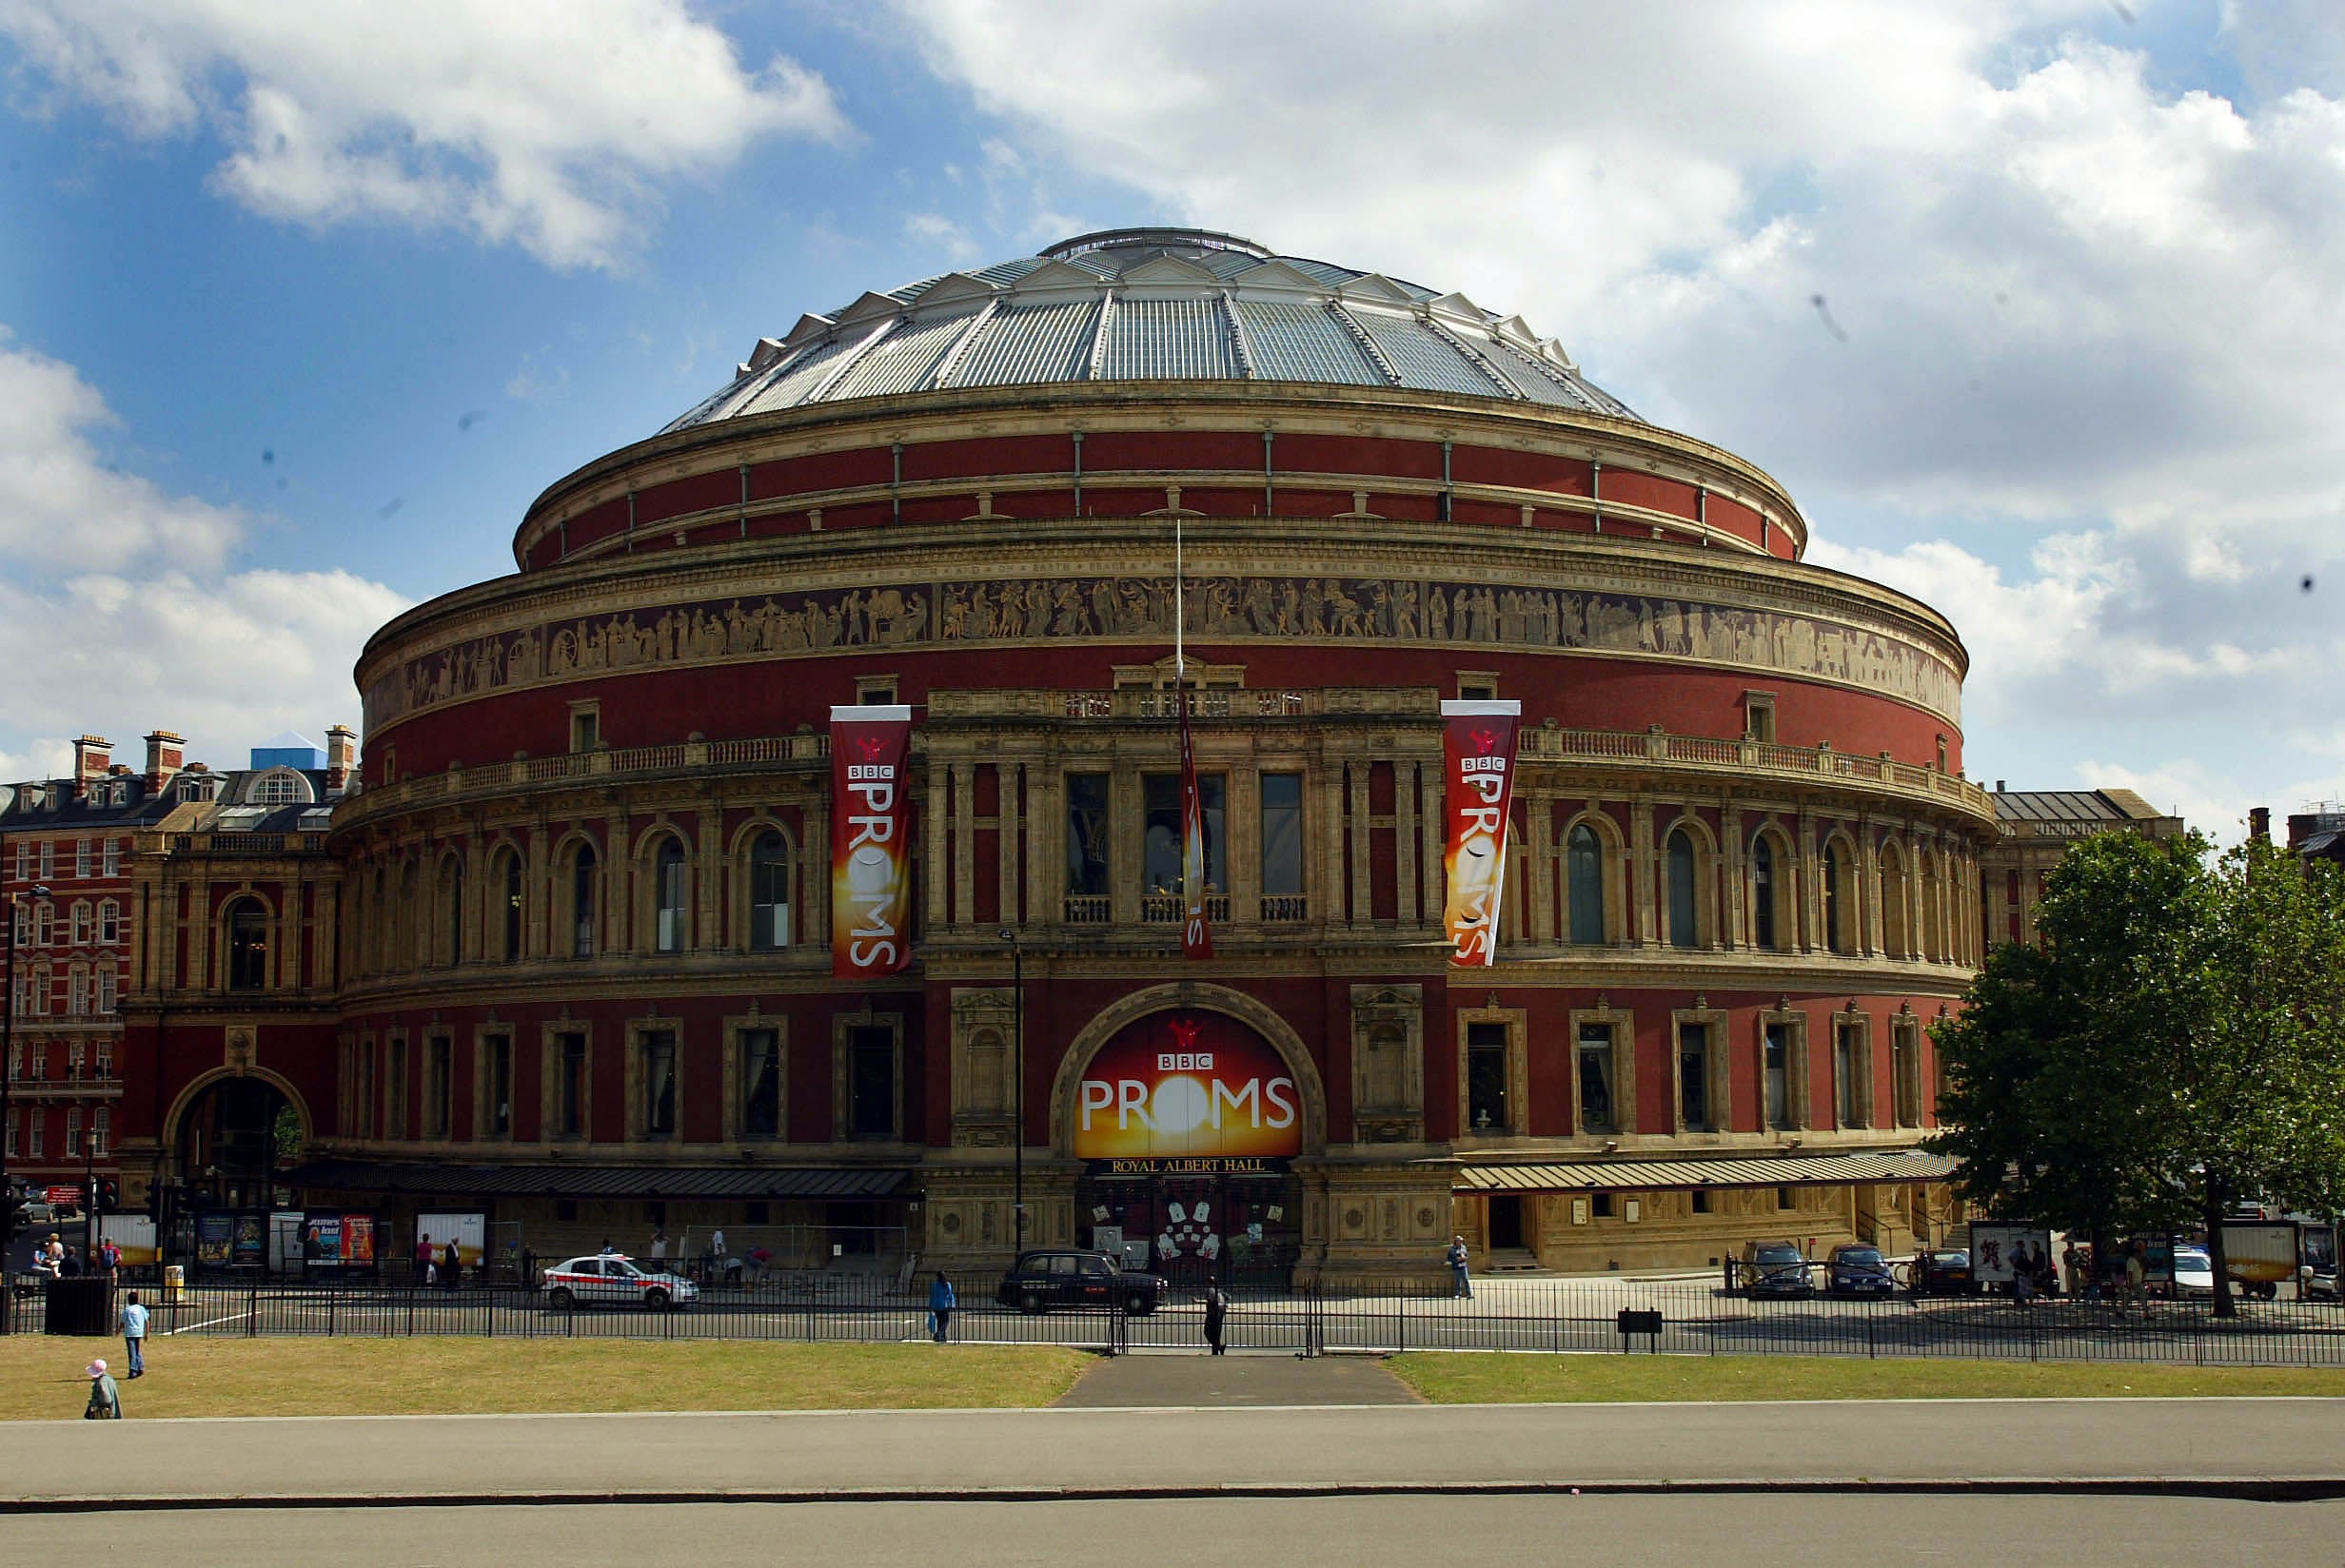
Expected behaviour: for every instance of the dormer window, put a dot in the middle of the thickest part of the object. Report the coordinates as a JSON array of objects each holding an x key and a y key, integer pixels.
[{"x": 281, "y": 787}]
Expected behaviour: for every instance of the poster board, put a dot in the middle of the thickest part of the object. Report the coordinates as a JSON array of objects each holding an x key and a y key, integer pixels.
[
  {"x": 470, "y": 1228},
  {"x": 135, "y": 1235},
  {"x": 2260, "y": 1253},
  {"x": 1994, "y": 1248}
]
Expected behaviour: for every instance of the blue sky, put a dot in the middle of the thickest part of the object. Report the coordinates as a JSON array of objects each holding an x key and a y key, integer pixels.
[{"x": 299, "y": 316}]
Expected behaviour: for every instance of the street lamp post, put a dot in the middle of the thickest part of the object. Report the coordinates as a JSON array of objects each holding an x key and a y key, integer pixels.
[
  {"x": 1018, "y": 1033},
  {"x": 8, "y": 1063}
]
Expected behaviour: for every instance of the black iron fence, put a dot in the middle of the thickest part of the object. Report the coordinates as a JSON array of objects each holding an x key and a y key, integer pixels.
[{"x": 1687, "y": 1317}]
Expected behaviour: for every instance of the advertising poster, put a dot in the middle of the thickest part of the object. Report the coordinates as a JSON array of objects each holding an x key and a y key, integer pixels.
[
  {"x": 214, "y": 1237},
  {"x": 1187, "y": 1092},
  {"x": 250, "y": 1246},
  {"x": 1997, "y": 1251},
  {"x": 1196, "y": 929},
  {"x": 871, "y": 861},
  {"x": 358, "y": 1241},
  {"x": 468, "y": 1229},
  {"x": 1477, "y": 789},
  {"x": 322, "y": 1240}
]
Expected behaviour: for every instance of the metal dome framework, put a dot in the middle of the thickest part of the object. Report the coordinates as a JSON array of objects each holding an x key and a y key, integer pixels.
[{"x": 1141, "y": 304}]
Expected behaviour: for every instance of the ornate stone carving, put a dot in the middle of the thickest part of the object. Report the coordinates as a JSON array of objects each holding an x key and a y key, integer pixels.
[{"x": 1387, "y": 1064}]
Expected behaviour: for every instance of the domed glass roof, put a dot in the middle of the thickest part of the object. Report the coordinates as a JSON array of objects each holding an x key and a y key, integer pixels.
[{"x": 1154, "y": 304}]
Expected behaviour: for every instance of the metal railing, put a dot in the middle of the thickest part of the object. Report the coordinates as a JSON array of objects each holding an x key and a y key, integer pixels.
[{"x": 1542, "y": 1315}]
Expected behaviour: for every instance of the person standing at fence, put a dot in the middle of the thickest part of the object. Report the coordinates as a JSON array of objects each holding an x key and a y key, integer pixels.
[
  {"x": 105, "y": 1394},
  {"x": 941, "y": 1304},
  {"x": 451, "y": 1265},
  {"x": 425, "y": 1259},
  {"x": 1459, "y": 1284},
  {"x": 1216, "y": 1315},
  {"x": 134, "y": 1334}
]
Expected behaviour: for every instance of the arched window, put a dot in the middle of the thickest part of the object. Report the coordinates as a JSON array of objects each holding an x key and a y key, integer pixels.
[
  {"x": 583, "y": 902},
  {"x": 1583, "y": 883},
  {"x": 1832, "y": 898},
  {"x": 668, "y": 887},
  {"x": 452, "y": 909},
  {"x": 247, "y": 928},
  {"x": 1896, "y": 926},
  {"x": 1763, "y": 890},
  {"x": 1684, "y": 929},
  {"x": 769, "y": 892},
  {"x": 508, "y": 883}
]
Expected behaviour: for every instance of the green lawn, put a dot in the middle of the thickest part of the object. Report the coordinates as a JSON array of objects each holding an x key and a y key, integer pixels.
[
  {"x": 1451, "y": 1379},
  {"x": 42, "y": 1377}
]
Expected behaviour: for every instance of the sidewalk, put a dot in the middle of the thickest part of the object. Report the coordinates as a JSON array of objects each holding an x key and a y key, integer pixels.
[{"x": 2248, "y": 1447}]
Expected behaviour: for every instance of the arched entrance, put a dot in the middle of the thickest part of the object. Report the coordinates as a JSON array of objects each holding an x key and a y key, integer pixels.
[
  {"x": 1186, "y": 1106},
  {"x": 227, "y": 1142}
]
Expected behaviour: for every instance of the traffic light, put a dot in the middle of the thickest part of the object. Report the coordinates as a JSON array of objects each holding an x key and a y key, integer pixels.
[{"x": 110, "y": 1195}]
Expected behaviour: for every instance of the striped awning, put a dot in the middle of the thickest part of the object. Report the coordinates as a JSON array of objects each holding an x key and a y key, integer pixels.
[
  {"x": 1665, "y": 1175},
  {"x": 568, "y": 1180}
]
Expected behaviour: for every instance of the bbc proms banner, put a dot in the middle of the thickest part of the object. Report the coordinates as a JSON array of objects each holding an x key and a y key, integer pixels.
[
  {"x": 1477, "y": 787},
  {"x": 870, "y": 863}
]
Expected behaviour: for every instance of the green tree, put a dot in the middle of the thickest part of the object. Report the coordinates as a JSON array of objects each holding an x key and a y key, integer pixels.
[{"x": 2176, "y": 1046}]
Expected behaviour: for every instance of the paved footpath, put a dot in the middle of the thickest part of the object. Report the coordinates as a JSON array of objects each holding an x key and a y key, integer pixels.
[
  {"x": 1235, "y": 1382},
  {"x": 2254, "y": 1445}
]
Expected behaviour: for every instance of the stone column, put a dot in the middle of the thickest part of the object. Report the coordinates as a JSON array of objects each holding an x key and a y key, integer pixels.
[
  {"x": 964, "y": 843},
  {"x": 934, "y": 835},
  {"x": 1640, "y": 870}
]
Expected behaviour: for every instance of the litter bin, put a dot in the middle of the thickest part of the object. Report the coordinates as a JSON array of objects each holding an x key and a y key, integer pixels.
[
  {"x": 81, "y": 1305},
  {"x": 175, "y": 1282}
]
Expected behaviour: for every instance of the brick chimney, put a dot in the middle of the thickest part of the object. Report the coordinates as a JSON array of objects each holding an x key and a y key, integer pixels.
[
  {"x": 2259, "y": 823},
  {"x": 166, "y": 752},
  {"x": 340, "y": 756},
  {"x": 91, "y": 754}
]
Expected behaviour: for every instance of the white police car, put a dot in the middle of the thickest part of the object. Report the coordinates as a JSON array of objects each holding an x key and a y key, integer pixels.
[{"x": 608, "y": 1277}]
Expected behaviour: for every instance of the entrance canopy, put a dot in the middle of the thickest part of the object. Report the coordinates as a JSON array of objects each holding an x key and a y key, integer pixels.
[
  {"x": 1667, "y": 1175},
  {"x": 568, "y": 1180}
]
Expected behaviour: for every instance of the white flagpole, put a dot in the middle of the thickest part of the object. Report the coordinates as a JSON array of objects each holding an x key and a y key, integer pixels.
[{"x": 1180, "y": 610}]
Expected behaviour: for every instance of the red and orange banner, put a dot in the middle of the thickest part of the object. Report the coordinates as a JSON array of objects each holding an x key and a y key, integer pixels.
[
  {"x": 871, "y": 851},
  {"x": 1197, "y": 931},
  {"x": 1478, "y": 788},
  {"x": 1187, "y": 1092}
]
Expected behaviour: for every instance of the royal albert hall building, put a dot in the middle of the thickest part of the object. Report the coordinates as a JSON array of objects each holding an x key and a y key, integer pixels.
[{"x": 584, "y": 978}]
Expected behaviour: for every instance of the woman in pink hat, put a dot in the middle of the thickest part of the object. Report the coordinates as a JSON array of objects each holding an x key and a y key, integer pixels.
[{"x": 105, "y": 1396}]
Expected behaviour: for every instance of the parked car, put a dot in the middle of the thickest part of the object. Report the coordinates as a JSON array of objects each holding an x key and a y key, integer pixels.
[
  {"x": 585, "y": 1281},
  {"x": 2194, "y": 1271},
  {"x": 1944, "y": 1271},
  {"x": 1039, "y": 1281},
  {"x": 1858, "y": 1270},
  {"x": 1774, "y": 1268}
]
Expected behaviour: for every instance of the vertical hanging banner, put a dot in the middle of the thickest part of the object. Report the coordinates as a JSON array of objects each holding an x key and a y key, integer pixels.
[
  {"x": 870, "y": 856},
  {"x": 1197, "y": 931},
  {"x": 1478, "y": 788}
]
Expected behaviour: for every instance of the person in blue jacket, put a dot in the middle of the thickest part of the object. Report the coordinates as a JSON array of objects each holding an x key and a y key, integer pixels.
[{"x": 941, "y": 1304}]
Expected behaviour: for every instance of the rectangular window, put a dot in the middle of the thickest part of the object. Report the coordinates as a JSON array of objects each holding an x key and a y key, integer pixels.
[
  {"x": 1600, "y": 1205},
  {"x": 585, "y": 729},
  {"x": 100, "y": 1131},
  {"x": 1905, "y": 1072},
  {"x": 73, "y": 1132},
  {"x": 1847, "y": 1063},
  {"x": 439, "y": 1085},
  {"x": 1087, "y": 847},
  {"x": 570, "y": 1085},
  {"x": 1282, "y": 847},
  {"x": 105, "y": 1059},
  {"x": 77, "y": 993},
  {"x": 73, "y": 1062},
  {"x": 497, "y": 1114},
  {"x": 1778, "y": 1068},
  {"x": 81, "y": 857},
  {"x": 1787, "y": 1197},
  {"x": 1486, "y": 1077},
  {"x": 660, "y": 1083},
  {"x": 870, "y": 1091},
  {"x": 760, "y": 1082},
  {"x": 24, "y": 860},
  {"x": 109, "y": 923},
  {"x": 1701, "y": 1201},
  {"x": 110, "y": 857},
  {"x": 40, "y": 1132},
  {"x": 1759, "y": 717},
  {"x": 1160, "y": 837},
  {"x": 875, "y": 691},
  {"x": 1596, "y": 1109},
  {"x": 395, "y": 1091},
  {"x": 1693, "y": 1077},
  {"x": 12, "y": 1154},
  {"x": 48, "y": 862}
]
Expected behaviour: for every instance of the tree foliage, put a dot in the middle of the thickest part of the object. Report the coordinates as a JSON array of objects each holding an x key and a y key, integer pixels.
[{"x": 2176, "y": 1046}]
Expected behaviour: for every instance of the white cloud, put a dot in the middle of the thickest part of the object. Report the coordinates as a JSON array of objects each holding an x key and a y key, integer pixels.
[
  {"x": 2094, "y": 323},
  {"x": 937, "y": 234},
  {"x": 122, "y": 607},
  {"x": 62, "y": 503},
  {"x": 546, "y": 125}
]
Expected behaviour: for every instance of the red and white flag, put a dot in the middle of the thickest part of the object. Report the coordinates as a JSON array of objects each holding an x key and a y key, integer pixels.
[
  {"x": 1477, "y": 788},
  {"x": 1196, "y": 929},
  {"x": 871, "y": 852}
]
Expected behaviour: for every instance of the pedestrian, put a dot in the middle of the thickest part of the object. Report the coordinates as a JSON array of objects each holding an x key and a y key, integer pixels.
[
  {"x": 2072, "y": 1263},
  {"x": 608, "y": 1250},
  {"x": 1216, "y": 1314},
  {"x": 941, "y": 1304},
  {"x": 716, "y": 1245},
  {"x": 451, "y": 1265},
  {"x": 109, "y": 1258},
  {"x": 2137, "y": 1277},
  {"x": 1459, "y": 1284},
  {"x": 69, "y": 1267},
  {"x": 105, "y": 1394},
  {"x": 426, "y": 1259},
  {"x": 134, "y": 1334},
  {"x": 53, "y": 1256},
  {"x": 659, "y": 1243}
]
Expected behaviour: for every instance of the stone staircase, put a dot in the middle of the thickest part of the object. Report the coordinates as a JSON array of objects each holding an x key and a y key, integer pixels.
[{"x": 1512, "y": 1260}]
